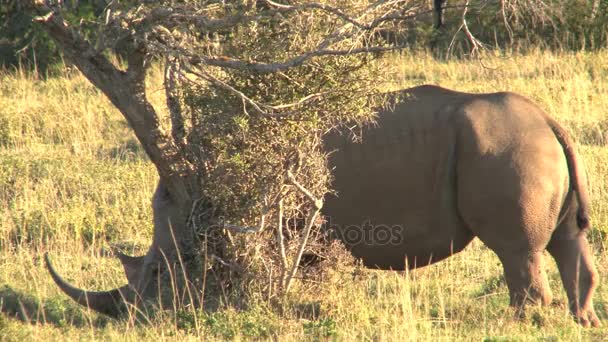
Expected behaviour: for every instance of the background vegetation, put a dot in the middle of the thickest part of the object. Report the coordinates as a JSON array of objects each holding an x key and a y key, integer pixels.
[
  {"x": 73, "y": 181},
  {"x": 509, "y": 24}
]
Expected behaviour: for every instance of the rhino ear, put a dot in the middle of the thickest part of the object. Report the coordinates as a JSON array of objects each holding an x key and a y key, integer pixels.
[{"x": 132, "y": 266}]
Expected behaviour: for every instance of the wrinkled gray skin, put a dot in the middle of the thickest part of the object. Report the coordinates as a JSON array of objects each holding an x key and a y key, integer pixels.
[{"x": 443, "y": 167}]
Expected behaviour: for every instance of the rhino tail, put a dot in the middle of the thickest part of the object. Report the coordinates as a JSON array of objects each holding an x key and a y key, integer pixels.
[{"x": 578, "y": 178}]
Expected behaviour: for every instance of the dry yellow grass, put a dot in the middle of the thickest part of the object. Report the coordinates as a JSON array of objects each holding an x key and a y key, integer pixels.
[{"x": 73, "y": 180}]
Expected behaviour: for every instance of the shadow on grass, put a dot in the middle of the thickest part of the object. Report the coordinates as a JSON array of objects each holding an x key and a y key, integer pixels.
[{"x": 29, "y": 309}]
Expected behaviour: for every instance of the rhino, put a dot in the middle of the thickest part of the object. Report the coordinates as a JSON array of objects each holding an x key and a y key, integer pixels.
[
  {"x": 435, "y": 170},
  {"x": 441, "y": 167}
]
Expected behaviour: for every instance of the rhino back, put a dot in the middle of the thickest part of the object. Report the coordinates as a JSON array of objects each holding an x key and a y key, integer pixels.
[
  {"x": 439, "y": 168},
  {"x": 400, "y": 178}
]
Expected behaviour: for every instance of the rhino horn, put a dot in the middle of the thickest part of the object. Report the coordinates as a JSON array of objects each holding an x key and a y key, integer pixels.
[{"x": 111, "y": 303}]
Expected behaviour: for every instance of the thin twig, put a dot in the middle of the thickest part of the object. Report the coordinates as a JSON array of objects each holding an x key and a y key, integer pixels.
[
  {"x": 318, "y": 203},
  {"x": 281, "y": 243},
  {"x": 303, "y": 241},
  {"x": 206, "y": 76},
  {"x": 340, "y": 14},
  {"x": 465, "y": 28},
  {"x": 178, "y": 130},
  {"x": 241, "y": 229},
  {"x": 505, "y": 21},
  {"x": 300, "y": 102},
  {"x": 260, "y": 108},
  {"x": 265, "y": 68}
]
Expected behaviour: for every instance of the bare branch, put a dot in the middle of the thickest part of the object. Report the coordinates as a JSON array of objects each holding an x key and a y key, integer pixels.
[
  {"x": 178, "y": 130},
  {"x": 216, "y": 81},
  {"x": 300, "y": 102},
  {"x": 465, "y": 28},
  {"x": 477, "y": 45},
  {"x": 352, "y": 27},
  {"x": 303, "y": 241},
  {"x": 281, "y": 244},
  {"x": 176, "y": 15},
  {"x": 264, "y": 68},
  {"x": 179, "y": 15},
  {"x": 318, "y": 203},
  {"x": 261, "y": 109},
  {"x": 262, "y": 224},
  {"x": 329, "y": 9},
  {"x": 340, "y": 14},
  {"x": 505, "y": 21}
]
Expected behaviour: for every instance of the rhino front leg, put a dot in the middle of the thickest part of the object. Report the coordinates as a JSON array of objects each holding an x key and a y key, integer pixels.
[
  {"x": 526, "y": 277},
  {"x": 574, "y": 259}
]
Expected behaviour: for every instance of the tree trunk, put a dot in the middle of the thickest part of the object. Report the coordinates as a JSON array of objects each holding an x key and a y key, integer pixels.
[{"x": 170, "y": 272}]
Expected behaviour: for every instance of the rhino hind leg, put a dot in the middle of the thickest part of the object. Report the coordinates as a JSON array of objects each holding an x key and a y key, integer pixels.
[
  {"x": 574, "y": 260},
  {"x": 526, "y": 278}
]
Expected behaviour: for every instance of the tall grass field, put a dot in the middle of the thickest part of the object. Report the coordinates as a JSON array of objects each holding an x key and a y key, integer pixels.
[{"x": 74, "y": 182}]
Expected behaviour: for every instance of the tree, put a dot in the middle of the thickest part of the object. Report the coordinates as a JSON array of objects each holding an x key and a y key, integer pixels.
[
  {"x": 251, "y": 87},
  {"x": 24, "y": 43}
]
